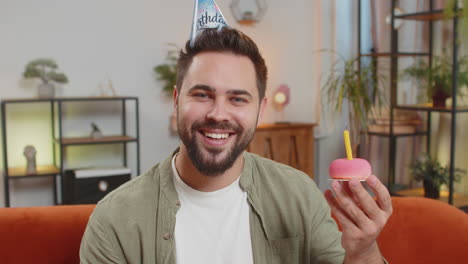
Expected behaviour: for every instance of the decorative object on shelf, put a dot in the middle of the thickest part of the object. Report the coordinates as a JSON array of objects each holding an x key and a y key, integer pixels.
[
  {"x": 249, "y": 12},
  {"x": 360, "y": 88},
  {"x": 30, "y": 154},
  {"x": 167, "y": 71},
  {"x": 96, "y": 133},
  {"x": 281, "y": 97},
  {"x": 438, "y": 78},
  {"x": 398, "y": 23},
  {"x": 433, "y": 174},
  {"x": 106, "y": 88},
  {"x": 45, "y": 69}
]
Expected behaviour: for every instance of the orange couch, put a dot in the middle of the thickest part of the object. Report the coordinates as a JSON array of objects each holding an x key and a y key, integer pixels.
[
  {"x": 419, "y": 231},
  {"x": 50, "y": 234}
]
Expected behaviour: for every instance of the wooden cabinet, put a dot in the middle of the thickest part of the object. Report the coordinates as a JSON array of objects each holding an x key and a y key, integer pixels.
[{"x": 288, "y": 143}]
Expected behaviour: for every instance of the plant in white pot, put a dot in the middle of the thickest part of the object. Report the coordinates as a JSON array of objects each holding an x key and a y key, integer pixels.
[{"x": 46, "y": 71}]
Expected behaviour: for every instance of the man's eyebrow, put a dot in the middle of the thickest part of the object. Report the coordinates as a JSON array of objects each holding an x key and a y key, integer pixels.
[
  {"x": 202, "y": 87},
  {"x": 240, "y": 92}
]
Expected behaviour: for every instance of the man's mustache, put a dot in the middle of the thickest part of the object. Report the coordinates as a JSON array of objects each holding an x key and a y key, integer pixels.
[{"x": 210, "y": 124}]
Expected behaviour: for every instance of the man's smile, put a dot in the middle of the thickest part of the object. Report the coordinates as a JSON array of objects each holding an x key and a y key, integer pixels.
[{"x": 216, "y": 137}]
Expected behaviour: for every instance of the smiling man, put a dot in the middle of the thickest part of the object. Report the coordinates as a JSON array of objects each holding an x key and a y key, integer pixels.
[
  {"x": 211, "y": 202},
  {"x": 218, "y": 107}
]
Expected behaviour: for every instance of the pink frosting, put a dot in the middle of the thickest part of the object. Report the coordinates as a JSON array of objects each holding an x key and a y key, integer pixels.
[{"x": 348, "y": 169}]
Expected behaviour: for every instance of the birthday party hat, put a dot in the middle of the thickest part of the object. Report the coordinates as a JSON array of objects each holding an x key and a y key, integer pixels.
[{"x": 206, "y": 14}]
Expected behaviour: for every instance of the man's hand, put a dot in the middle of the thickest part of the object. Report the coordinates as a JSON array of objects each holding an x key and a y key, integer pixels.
[{"x": 361, "y": 217}]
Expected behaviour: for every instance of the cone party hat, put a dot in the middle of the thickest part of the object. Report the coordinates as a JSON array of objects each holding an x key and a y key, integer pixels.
[{"x": 206, "y": 14}]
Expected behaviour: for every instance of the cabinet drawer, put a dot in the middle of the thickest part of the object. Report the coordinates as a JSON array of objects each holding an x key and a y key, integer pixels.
[{"x": 90, "y": 190}]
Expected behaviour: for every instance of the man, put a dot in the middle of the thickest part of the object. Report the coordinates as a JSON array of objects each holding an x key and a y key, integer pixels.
[{"x": 211, "y": 202}]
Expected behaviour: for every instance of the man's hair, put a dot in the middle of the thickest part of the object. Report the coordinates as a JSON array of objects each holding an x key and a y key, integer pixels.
[{"x": 226, "y": 40}]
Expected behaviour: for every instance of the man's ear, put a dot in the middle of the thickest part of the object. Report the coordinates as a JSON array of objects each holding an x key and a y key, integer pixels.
[
  {"x": 263, "y": 105},
  {"x": 175, "y": 97}
]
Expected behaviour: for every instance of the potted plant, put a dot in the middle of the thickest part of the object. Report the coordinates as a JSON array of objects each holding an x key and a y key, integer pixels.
[
  {"x": 46, "y": 71},
  {"x": 438, "y": 78},
  {"x": 359, "y": 87},
  {"x": 167, "y": 71},
  {"x": 432, "y": 174}
]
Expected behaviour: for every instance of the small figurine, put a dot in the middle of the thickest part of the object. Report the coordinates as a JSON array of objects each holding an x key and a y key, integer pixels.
[
  {"x": 30, "y": 154},
  {"x": 96, "y": 133}
]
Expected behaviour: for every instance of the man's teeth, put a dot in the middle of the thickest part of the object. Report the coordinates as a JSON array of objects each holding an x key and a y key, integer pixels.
[{"x": 216, "y": 136}]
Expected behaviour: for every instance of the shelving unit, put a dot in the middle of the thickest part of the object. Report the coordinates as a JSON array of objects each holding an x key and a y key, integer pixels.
[
  {"x": 429, "y": 17},
  {"x": 59, "y": 142}
]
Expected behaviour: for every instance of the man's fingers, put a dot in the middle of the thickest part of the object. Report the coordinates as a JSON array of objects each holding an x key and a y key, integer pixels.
[
  {"x": 342, "y": 218},
  {"x": 383, "y": 197},
  {"x": 347, "y": 204},
  {"x": 366, "y": 202}
]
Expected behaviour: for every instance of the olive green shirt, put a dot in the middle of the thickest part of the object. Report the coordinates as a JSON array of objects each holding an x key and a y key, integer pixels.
[{"x": 290, "y": 220}]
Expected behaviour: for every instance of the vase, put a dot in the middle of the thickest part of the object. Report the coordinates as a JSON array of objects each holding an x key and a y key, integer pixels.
[
  {"x": 431, "y": 190},
  {"x": 46, "y": 90},
  {"x": 96, "y": 135},
  {"x": 439, "y": 97}
]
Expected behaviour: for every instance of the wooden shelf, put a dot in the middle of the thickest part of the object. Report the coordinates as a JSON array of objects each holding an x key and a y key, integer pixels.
[
  {"x": 399, "y": 54},
  {"x": 384, "y": 134},
  {"x": 423, "y": 16},
  {"x": 428, "y": 107},
  {"x": 67, "y": 99},
  {"x": 458, "y": 200},
  {"x": 59, "y": 143},
  {"x": 91, "y": 141},
  {"x": 20, "y": 172}
]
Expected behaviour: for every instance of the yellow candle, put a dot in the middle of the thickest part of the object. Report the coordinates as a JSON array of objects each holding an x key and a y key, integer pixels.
[{"x": 347, "y": 141}]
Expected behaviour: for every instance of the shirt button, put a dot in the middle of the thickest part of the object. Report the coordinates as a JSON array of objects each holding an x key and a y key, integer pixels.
[
  {"x": 177, "y": 202},
  {"x": 167, "y": 236}
]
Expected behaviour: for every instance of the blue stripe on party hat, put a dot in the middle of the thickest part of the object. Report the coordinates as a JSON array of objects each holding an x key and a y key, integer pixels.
[{"x": 206, "y": 14}]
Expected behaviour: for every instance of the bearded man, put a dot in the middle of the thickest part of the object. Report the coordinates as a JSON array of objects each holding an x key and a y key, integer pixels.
[{"x": 211, "y": 202}]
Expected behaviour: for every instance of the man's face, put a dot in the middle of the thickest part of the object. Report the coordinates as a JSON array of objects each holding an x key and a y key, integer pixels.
[{"x": 217, "y": 110}]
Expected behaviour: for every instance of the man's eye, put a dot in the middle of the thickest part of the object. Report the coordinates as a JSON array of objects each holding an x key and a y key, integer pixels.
[
  {"x": 239, "y": 100},
  {"x": 201, "y": 95}
]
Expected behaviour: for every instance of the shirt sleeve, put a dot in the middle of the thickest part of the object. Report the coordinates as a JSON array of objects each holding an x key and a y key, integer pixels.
[
  {"x": 99, "y": 243},
  {"x": 324, "y": 234}
]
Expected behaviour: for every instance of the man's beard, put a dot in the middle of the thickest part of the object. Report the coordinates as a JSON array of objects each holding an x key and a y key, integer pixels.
[{"x": 208, "y": 165}]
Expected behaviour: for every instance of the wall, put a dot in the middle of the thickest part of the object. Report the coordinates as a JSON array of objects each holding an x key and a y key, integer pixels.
[{"x": 94, "y": 41}]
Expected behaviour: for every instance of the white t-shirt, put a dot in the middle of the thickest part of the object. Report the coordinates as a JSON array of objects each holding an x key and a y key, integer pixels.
[{"x": 212, "y": 227}]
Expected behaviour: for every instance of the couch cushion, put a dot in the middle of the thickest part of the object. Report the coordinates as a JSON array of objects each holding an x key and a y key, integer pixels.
[
  {"x": 425, "y": 231},
  {"x": 50, "y": 234}
]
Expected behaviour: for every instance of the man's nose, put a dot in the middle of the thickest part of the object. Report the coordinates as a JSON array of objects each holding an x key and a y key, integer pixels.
[{"x": 218, "y": 112}]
